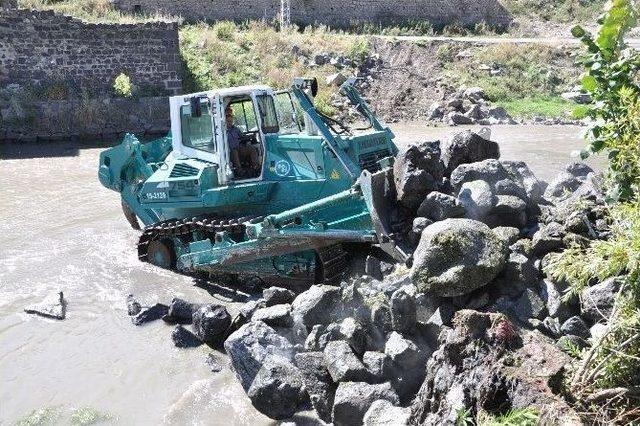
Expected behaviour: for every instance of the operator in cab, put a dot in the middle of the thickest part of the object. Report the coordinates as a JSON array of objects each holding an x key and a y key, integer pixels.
[{"x": 241, "y": 151}]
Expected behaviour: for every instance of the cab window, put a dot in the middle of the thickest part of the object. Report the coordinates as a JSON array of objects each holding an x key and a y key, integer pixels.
[
  {"x": 197, "y": 132},
  {"x": 244, "y": 117},
  {"x": 290, "y": 117},
  {"x": 268, "y": 114}
]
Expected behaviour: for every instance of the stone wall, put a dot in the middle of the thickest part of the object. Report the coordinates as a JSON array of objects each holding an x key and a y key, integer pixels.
[
  {"x": 335, "y": 13},
  {"x": 86, "y": 119},
  {"x": 37, "y": 47}
]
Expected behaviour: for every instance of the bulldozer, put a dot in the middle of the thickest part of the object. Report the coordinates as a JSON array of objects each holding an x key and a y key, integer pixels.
[{"x": 311, "y": 192}]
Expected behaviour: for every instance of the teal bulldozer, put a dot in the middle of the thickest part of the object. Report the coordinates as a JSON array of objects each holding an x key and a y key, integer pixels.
[{"x": 259, "y": 183}]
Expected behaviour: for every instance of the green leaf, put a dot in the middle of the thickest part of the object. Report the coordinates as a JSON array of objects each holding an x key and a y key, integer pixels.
[
  {"x": 578, "y": 31},
  {"x": 589, "y": 83},
  {"x": 596, "y": 145}
]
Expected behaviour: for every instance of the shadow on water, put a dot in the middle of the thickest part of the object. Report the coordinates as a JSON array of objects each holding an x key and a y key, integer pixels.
[{"x": 224, "y": 292}]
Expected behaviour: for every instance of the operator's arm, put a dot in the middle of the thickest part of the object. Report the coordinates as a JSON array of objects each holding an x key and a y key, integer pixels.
[{"x": 233, "y": 138}]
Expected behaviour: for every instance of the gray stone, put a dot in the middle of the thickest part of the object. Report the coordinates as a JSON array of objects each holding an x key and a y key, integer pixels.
[
  {"x": 380, "y": 313},
  {"x": 403, "y": 352},
  {"x": 456, "y": 256},
  {"x": 403, "y": 310},
  {"x": 317, "y": 382},
  {"x": 335, "y": 79},
  {"x": 419, "y": 223},
  {"x": 183, "y": 338},
  {"x": 598, "y": 330},
  {"x": 181, "y": 311},
  {"x": 567, "y": 181},
  {"x": 520, "y": 172},
  {"x": 474, "y": 112},
  {"x": 438, "y": 206},
  {"x": 373, "y": 267},
  {"x": 210, "y": 323},
  {"x": 318, "y": 305},
  {"x": 575, "y": 326},
  {"x": 55, "y": 306},
  {"x": 498, "y": 113},
  {"x": 311, "y": 343},
  {"x": 417, "y": 171},
  {"x": 251, "y": 306},
  {"x": 250, "y": 345},
  {"x": 530, "y": 305},
  {"x": 519, "y": 272},
  {"x": 509, "y": 187},
  {"x": 343, "y": 364},
  {"x": 378, "y": 365},
  {"x": 552, "y": 295},
  {"x": 507, "y": 233},
  {"x": 477, "y": 198},
  {"x": 426, "y": 305},
  {"x": 384, "y": 413},
  {"x": 277, "y": 296},
  {"x": 146, "y": 315},
  {"x": 353, "y": 399},
  {"x": 547, "y": 239},
  {"x": 133, "y": 306},
  {"x": 458, "y": 118},
  {"x": 443, "y": 315},
  {"x": 577, "y": 97},
  {"x": 490, "y": 171},
  {"x": 552, "y": 325},
  {"x": 275, "y": 316},
  {"x": 468, "y": 147},
  {"x": 435, "y": 111},
  {"x": 597, "y": 301},
  {"x": 354, "y": 334},
  {"x": 508, "y": 211},
  {"x": 474, "y": 93},
  {"x": 277, "y": 388}
]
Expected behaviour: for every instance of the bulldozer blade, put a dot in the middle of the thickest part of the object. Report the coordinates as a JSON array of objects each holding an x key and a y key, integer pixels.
[{"x": 378, "y": 190}]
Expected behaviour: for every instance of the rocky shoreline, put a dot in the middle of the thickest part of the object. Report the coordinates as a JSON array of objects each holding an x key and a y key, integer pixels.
[{"x": 473, "y": 322}]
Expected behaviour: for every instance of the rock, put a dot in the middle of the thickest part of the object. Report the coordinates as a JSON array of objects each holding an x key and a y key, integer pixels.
[
  {"x": 180, "y": 311},
  {"x": 403, "y": 310},
  {"x": 277, "y": 388},
  {"x": 458, "y": 118},
  {"x": 417, "y": 171},
  {"x": 384, "y": 413},
  {"x": 456, "y": 256},
  {"x": 335, "y": 79},
  {"x": 353, "y": 399},
  {"x": 529, "y": 305},
  {"x": 577, "y": 97},
  {"x": 275, "y": 316},
  {"x": 598, "y": 330},
  {"x": 419, "y": 223},
  {"x": 438, "y": 206},
  {"x": 498, "y": 113},
  {"x": 547, "y": 239},
  {"x": 250, "y": 345},
  {"x": 183, "y": 338},
  {"x": 568, "y": 342},
  {"x": 251, "y": 306},
  {"x": 133, "y": 306},
  {"x": 443, "y": 315},
  {"x": 507, "y": 233},
  {"x": 575, "y": 326},
  {"x": 210, "y": 323},
  {"x": 567, "y": 181},
  {"x": 380, "y": 313},
  {"x": 474, "y": 112},
  {"x": 477, "y": 199},
  {"x": 317, "y": 382},
  {"x": 53, "y": 306},
  {"x": 509, "y": 187},
  {"x": 321, "y": 59},
  {"x": 508, "y": 211},
  {"x": 277, "y": 296},
  {"x": 435, "y": 111},
  {"x": 596, "y": 302},
  {"x": 468, "y": 147},
  {"x": 352, "y": 332},
  {"x": 373, "y": 267},
  {"x": 153, "y": 313},
  {"x": 403, "y": 352},
  {"x": 214, "y": 363},
  {"x": 552, "y": 296},
  {"x": 318, "y": 305},
  {"x": 426, "y": 305},
  {"x": 378, "y": 365},
  {"x": 519, "y": 272},
  {"x": 490, "y": 171},
  {"x": 408, "y": 362},
  {"x": 311, "y": 343},
  {"x": 520, "y": 172},
  {"x": 342, "y": 363},
  {"x": 474, "y": 94}
]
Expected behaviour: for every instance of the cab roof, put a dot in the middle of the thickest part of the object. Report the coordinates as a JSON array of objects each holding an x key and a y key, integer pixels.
[{"x": 230, "y": 91}]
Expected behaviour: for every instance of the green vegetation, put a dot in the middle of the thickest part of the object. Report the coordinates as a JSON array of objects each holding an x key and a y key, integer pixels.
[
  {"x": 40, "y": 417},
  {"x": 515, "y": 417},
  {"x": 122, "y": 85},
  {"x": 92, "y": 11},
  {"x": 226, "y": 54},
  {"x": 613, "y": 362},
  {"x": 538, "y": 107},
  {"x": 86, "y": 416}
]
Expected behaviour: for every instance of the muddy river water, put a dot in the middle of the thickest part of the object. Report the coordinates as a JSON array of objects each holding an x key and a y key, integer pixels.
[{"x": 61, "y": 231}]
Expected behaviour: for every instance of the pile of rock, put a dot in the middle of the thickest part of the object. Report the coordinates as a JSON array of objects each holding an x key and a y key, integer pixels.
[
  {"x": 468, "y": 106},
  {"x": 484, "y": 231}
]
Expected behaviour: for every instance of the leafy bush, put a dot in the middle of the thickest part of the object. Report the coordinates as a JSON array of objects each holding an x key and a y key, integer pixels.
[{"x": 122, "y": 86}]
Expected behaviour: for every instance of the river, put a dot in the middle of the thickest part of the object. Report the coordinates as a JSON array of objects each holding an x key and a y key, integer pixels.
[{"x": 62, "y": 231}]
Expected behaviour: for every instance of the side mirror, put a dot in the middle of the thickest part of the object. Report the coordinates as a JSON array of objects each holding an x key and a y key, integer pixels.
[
  {"x": 196, "y": 109},
  {"x": 314, "y": 87}
]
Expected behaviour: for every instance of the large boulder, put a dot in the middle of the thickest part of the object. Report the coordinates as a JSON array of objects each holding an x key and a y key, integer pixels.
[
  {"x": 275, "y": 315},
  {"x": 508, "y": 211},
  {"x": 596, "y": 302},
  {"x": 250, "y": 345},
  {"x": 403, "y": 310},
  {"x": 343, "y": 364},
  {"x": 456, "y": 256},
  {"x": 520, "y": 172},
  {"x": 183, "y": 338},
  {"x": 317, "y": 382},
  {"x": 181, "y": 311},
  {"x": 548, "y": 238},
  {"x": 575, "y": 326},
  {"x": 477, "y": 198},
  {"x": 438, "y": 206},
  {"x": 567, "y": 181},
  {"x": 210, "y": 323},
  {"x": 277, "y": 389},
  {"x": 408, "y": 360},
  {"x": 277, "y": 296},
  {"x": 490, "y": 171},
  {"x": 468, "y": 147},
  {"x": 417, "y": 171},
  {"x": 353, "y": 399},
  {"x": 318, "y": 305},
  {"x": 384, "y": 413}
]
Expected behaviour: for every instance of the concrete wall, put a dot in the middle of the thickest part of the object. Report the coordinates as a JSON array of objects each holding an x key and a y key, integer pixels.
[
  {"x": 38, "y": 47},
  {"x": 335, "y": 13}
]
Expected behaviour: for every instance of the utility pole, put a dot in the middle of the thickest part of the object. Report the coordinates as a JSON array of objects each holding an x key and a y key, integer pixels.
[{"x": 285, "y": 13}]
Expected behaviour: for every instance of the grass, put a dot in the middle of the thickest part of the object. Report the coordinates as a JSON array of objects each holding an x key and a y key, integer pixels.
[
  {"x": 98, "y": 11},
  {"x": 545, "y": 107}
]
